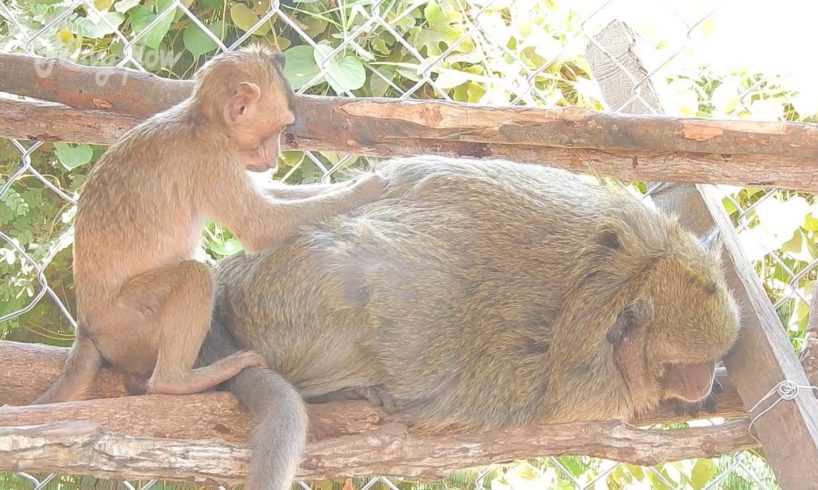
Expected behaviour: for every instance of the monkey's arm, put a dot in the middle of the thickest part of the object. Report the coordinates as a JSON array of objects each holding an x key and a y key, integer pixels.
[
  {"x": 260, "y": 222},
  {"x": 277, "y": 190}
]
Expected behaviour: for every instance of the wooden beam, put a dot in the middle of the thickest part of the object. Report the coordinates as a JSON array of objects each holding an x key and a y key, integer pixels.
[
  {"x": 627, "y": 147},
  {"x": 117, "y": 89},
  {"x": 201, "y": 437},
  {"x": 90, "y": 449},
  {"x": 30, "y": 120},
  {"x": 762, "y": 356}
]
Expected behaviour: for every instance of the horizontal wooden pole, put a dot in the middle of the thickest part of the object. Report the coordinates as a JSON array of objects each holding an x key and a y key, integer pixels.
[
  {"x": 53, "y": 122},
  {"x": 201, "y": 437},
  {"x": 88, "y": 448},
  {"x": 658, "y": 148}
]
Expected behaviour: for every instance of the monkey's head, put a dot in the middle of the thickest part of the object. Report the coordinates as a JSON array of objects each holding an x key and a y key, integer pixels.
[
  {"x": 679, "y": 321},
  {"x": 245, "y": 95}
]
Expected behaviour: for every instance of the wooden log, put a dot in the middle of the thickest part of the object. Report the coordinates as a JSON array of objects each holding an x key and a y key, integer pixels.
[
  {"x": 90, "y": 449},
  {"x": 762, "y": 356},
  {"x": 631, "y": 148},
  {"x": 29, "y": 120},
  {"x": 201, "y": 437},
  {"x": 117, "y": 89}
]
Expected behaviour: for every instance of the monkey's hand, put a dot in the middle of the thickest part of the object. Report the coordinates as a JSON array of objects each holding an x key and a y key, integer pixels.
[
  {"x": 707, "y": 403},
  {"x": 369, "y": 187}
]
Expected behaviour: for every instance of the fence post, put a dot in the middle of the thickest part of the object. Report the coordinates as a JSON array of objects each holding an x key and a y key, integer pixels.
[{"x": 763, "y": 356}]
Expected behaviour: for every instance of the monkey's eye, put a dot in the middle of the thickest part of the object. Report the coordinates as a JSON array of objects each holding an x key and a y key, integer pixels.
[
  {"x": 241, "y": 109},
  {"x": 627, "y": 320}
]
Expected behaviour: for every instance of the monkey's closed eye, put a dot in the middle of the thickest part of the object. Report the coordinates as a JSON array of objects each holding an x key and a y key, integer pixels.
[{"x": 627, "y": 320}]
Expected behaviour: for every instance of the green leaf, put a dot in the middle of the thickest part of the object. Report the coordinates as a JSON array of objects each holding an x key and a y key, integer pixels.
[
  {"x": 314, "y": 26},
  {"x": 94, "y": 27},
  {"x": 103, "y": 5},
  {"x": 243, "y": 17},
  {"x": 299, "y": 66},
  {"x": 703, "y": 471},
  {"x": 125, "y": 5},
  {"x": 811, "y": 221},
  {"x": 226, "y": 247},
  {"x": 197, "y": 42},
  {"x": 142, "y": 16},
  {"x": 449, "y": 79},
  {"x": 345, "y": 75},
  {"x": 310, "y": 172},
  {"x": 15, "y": 203},
  {"x": 443, "y": 29},
  {"x": 377, "y": 85},
  {"x": 73, "y": 156}
]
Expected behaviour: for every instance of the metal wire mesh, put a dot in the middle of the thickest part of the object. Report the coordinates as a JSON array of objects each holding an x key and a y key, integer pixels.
[{"x": 452, "y": 50}]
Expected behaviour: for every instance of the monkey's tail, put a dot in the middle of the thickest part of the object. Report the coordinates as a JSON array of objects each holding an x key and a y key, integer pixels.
[{"x": 281, "y": 432}]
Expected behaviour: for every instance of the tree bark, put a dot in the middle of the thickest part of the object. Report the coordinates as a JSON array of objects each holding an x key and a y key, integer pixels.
[
  {"x": 656, "y": 148},
  {"x": 89, "y": 448},
  {"x": 201, "y": 437}
]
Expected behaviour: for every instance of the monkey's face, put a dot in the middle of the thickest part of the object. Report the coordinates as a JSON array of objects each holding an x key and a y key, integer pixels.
[
  {"x": 668, "y": 341},
  {"x": 257, "y": 113},
  {"x": 256, "y": 118}
]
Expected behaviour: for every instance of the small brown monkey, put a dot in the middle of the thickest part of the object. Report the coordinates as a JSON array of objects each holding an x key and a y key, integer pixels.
[
  {"x": 144, "y": 303},
  {"x": 475, "y": 294}
]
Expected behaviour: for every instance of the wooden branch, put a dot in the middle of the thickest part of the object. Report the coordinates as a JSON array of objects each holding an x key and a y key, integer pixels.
[
  {"x": 202, "y": 436},
  {"x": 632, "y": 148},
  {"x": 88, "y": 448},
  {"x": 762, "y": 356},
  {"x": 116, "y": 89}
]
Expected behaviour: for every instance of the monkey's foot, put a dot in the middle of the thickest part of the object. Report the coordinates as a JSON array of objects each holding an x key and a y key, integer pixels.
[
  {"x": 206, "y": 377},
  {"x": 252, "y": 359}
]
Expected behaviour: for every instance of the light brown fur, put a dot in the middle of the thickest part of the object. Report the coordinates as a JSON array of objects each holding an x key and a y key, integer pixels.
[
  {"x": 478, "y": 294},
  {"x": 144, "y": 303}
]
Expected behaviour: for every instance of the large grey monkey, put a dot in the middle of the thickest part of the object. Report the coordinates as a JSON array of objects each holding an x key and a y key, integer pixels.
[{"x": 478, "y": 294}]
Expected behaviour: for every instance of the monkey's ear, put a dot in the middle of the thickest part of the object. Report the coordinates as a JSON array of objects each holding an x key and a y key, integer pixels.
[
  {"x": 246, "y": 95},
  {"x": 629, "y": 318},
  {"x": 279, "y": 59}
]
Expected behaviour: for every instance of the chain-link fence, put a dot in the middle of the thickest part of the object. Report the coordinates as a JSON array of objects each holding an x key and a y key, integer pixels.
[{"x": 704, "y": 58}]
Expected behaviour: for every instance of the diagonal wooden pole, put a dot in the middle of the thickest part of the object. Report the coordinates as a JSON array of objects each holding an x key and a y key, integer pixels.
[{"x": 762, "y": 357}]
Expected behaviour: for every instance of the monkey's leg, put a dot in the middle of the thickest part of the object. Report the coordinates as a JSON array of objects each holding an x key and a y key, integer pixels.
[
  {"x": 181, "y": 322},
  {"x": 82, "y": 364}
]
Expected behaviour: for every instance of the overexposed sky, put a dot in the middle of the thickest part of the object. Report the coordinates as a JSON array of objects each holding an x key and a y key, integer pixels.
[{"x": 773, "y": 37}]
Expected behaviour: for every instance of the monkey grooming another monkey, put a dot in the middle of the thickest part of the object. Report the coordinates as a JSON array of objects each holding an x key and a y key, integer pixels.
[
  {"x": 474, "y": 294},
  {"x": 144, "y": 303}
]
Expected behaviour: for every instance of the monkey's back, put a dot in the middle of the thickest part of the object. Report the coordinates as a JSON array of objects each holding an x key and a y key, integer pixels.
[
  {"x": 438, "y": 298},
  {"x": 135, "y": 206}
]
